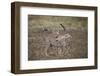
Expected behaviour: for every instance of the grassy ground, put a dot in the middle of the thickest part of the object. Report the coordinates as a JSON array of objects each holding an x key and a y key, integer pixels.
[{"x": 41, "y": 28}]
